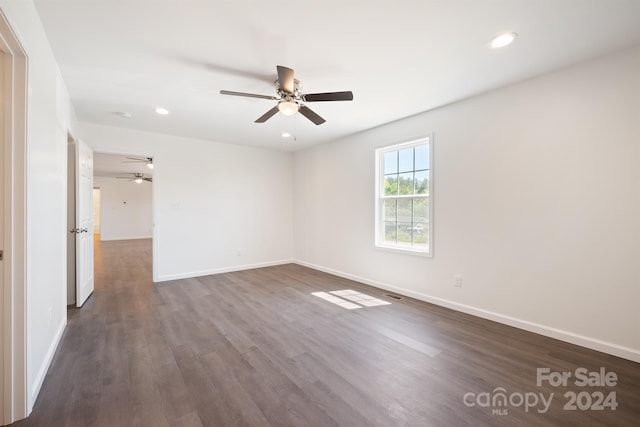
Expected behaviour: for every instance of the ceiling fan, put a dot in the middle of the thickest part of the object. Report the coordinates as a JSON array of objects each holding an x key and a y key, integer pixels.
[
  {"x": 137, "y": 177},
  {"x": 147, "y": 160},
  {"x": 290, "y": 98}
]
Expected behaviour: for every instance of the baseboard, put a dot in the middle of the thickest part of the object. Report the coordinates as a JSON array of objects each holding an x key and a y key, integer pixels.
[
  {"x": 562, "y": 335},
  {"x": 42, "y": 372},
  {"x": 108, "y": 239},
  {"x": 167, "y": 277}
]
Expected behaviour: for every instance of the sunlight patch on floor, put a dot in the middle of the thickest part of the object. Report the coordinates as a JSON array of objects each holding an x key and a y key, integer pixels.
[
  {"x": 355, "y": 299},
  {"x": 360, "y": 298}
]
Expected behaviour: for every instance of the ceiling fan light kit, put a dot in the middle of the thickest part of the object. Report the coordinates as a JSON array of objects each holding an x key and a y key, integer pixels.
[
  {"x": 288, "y": 108},
  {"x": 137, "y": 178},
  {"x": 290, "y": 98}
]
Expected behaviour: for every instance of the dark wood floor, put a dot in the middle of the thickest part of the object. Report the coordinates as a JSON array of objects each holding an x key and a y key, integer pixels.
[{"x": 255, "y": 348}]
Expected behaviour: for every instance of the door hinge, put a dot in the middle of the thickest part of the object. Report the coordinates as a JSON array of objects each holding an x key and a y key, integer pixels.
[{"x": 1, "y": 255}]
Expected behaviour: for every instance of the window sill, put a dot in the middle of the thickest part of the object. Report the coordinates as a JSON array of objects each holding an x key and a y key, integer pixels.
[{"x": 401, "y": 250}]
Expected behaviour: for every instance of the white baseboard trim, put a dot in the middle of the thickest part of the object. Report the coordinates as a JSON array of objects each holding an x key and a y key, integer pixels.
[
  {"x": 42, "y": 372},
  {"x": 570, "y": 337},
  {"x": 167, "y": 277},
  {"x": 108, "y": 239}
]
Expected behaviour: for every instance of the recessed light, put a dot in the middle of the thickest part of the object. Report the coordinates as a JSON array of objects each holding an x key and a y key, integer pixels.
[
  {"x": 285, "y": 134},
  {"x": 503, "y": 40},
  {"x": 162, "y": 111}
]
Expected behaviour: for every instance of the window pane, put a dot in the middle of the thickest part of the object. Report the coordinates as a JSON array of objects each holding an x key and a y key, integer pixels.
[
  {"x": 421, "y": 179},
  {"x": 420, "y": 234},
  {"x": 405, "y": 213},
  {"x": 405, "y": 160},
  {"x": 422, "y": 157},
  {"x": 391, "y": 162},
  {"x": 405, "y": 183},
  {"x": 389, "y": 210},
  {"x": 404, "y": 233},
  {"x": 390, "y": 232},
  {"x": 420, "y": 210},
  {"x": 390, "y": 185}
]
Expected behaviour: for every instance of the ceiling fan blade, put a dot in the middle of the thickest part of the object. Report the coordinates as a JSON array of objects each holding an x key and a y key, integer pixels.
[
  {"x": 266, "y": 116},
  {"x": 148, "y": 179},
  {"x": 285, "y": 77},
  {"x": 329, "y": 96},
  {"x": 309, "y": 114},
  {"x": 248, "y": 95}
]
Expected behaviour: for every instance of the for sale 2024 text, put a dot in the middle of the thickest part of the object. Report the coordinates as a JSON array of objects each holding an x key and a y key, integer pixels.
[{"x": 582, "y": 400}]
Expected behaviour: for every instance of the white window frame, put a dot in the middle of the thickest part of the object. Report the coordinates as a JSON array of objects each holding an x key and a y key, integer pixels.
[{"x": 380, "y": 198}]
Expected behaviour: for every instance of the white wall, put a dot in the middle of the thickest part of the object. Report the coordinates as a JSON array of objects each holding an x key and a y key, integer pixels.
[
  {"x": 217, "y": 207},
  {"x": 537, "y": 206},
  {"x": 126, "y": 210},
  {"x": 49, "y": 114}
]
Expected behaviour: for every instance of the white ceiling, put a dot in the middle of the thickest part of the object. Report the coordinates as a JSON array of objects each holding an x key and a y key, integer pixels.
[{"x": 398, "y": 57}]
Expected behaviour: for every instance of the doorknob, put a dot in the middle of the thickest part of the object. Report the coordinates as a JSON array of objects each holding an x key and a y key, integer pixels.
[
  {"x": 74, "y": 230},
  {"x": 84, "y": 230}
]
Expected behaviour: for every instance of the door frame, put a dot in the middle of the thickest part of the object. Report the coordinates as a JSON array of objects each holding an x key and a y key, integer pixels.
[
  {"x": 13, "y": 304},
  {"x": 71, "y": 221}
]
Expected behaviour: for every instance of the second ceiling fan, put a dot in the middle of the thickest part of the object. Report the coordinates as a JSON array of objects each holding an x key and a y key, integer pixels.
[
  {"x": 290, "y": 98},
  {"x": 137, "y": 177}
]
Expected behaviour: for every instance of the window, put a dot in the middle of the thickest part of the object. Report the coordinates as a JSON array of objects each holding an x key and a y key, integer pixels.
[{"x": 403, "y": 197}]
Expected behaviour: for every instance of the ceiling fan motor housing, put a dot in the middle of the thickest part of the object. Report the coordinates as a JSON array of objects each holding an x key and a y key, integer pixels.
[{"x": 295, "y": 95}]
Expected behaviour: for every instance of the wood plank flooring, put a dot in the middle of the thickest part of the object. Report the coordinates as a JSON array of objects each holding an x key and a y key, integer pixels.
[{"x": 255, "y": 348}]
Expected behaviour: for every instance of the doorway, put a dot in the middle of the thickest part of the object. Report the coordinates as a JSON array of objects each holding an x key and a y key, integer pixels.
[
  {"x": 96, "y": 213},
  {"x": 126, "y": 195}
]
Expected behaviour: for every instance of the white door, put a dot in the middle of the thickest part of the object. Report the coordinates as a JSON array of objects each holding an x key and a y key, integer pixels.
[{"x": 84, "y": 219}]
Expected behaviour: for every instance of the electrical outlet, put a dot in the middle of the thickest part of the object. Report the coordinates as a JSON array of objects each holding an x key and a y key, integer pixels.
[{"x": 457, "y": 281}]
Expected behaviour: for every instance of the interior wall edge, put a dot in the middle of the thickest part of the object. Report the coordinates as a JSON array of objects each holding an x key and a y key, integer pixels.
[
  {"x": 559, "y": 334},
  {"x": 189, "y": 275}
]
